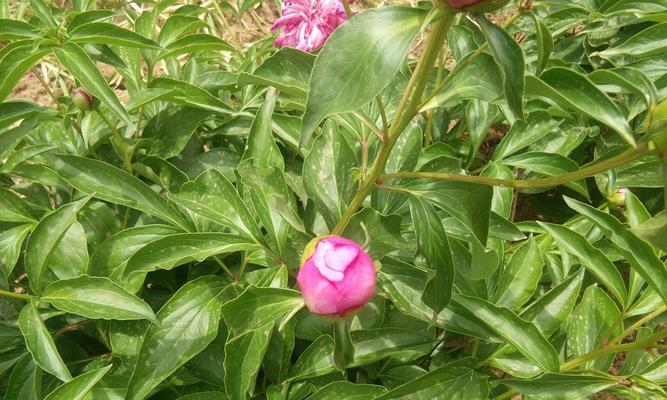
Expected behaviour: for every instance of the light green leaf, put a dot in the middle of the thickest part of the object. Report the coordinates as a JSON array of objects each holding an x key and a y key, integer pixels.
[
  {"x": 193, "y": 43},
  {"x": 25, "y": 381},
  {"x": 17, "y": 58},
  {"x": 45, "y": 239},
  {"x": 549, "y": 164},
  {"x": 561, "y": 386},
  {"x": 288, "y": 70},
  {"x": 243, "y": 358},
  {"x": 647, "y": 42},
  {"x": 13, "y": 208},
  {"x": 520, "y": 277},
  {"x": 259, "y": 306},
  {"x": 82, "y": 67},
  {"x": 77, "y": 388},
  {"x": 40, "y": 344},
  {"x": 11, "y": 242},
  {"x": 590, "y": 257},
  {"x": 349, "y": 391},
  {"x": 43, "y": 12},
  {"x": 96, "y": 298},
  {"x": 109, "y": 183},
  {"x": 521, "y": 334},
  {"x": 15, "y": 30},
  {"x": 654, "y": 231},
  {"x": 370, "y": 47},
  {"x": 545, "y": 42},
  {"x": 187, "y": 323},
  {"x": 110, "y": 34},
  {"x": 523, "y": 133}
]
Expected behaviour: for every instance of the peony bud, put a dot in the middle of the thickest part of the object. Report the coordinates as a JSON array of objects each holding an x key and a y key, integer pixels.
[
  {"x": 337, "y": 278},
  {"x": 618, "y": 197},
  {"x": 476, "y": 5},
  {"x": 82, "y": 99}
]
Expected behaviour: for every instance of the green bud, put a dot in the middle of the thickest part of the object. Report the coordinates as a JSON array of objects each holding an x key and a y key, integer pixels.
[{"x": 82, "y": 99}]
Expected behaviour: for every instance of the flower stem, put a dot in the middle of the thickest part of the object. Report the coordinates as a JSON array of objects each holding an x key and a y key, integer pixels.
[
  {"x": 623, "y": 158},
  {"x": 343, "y": 346},
  {"x": 120, "y": 140},
  {"x": 639, "y": 323},
  {"x": 403, "y": 115},
  {"x": 14, "y": 295}
]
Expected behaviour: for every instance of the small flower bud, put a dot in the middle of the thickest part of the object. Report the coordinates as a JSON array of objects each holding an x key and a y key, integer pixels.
[
  {"x": 82, "y": 99},
  {"x": 476, "y": 5},
  {"x": 337, "y": 278},
  {"x": 618, "y": 197}
]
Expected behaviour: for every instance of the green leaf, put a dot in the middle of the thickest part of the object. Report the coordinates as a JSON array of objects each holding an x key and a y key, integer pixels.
[
  {"x": 204, "y": 396},
  {"x": 191, "y": 95},
  {"x": 174, "y": 250},
  {"x": 11, "y": 242},
  {"x": 109, "y": 183},
  {"x": 110, "y": 34},
  {"x": 456, "y": 381},
  {"x": 403, "y": 284},
  {"x": 176, "y": 25},
  {"x": 647, "y": 42},
  {"x": 474, "y": 77},
  {"x": 328, "y": 173},
  {"x": 82, "y": 67},
  {"x": 243, "y": 357},
  {"x": 40, "y": 344},
  {"x": 77, "y": 388},
  {"x": 43, "y": 12},
  {"x": 590, "y": 257},
  {"x": 261, "y": 149},
  {"x": 259, "y": 306},
  {"x": 10, "y": 138},
  {"x": 349, "y": 391},
  {"x": 545, "y": 42},
  {"x": 562, "y": 386},
  {"x": 13, "y": 208},
  {"x": 187, "y": 323},
  {"x": 25, "y": 381},
  {"x": 549, "y": 164},
  {"x": 518, "y": 280},
  {"x": 596, "y": 320},
  {"x": 287, "y": 70},
  {"x": 370, "y": 47},
  {"x": 111, "y": 257},
  {"x": 521, "y": 334},
  {"x": 213, "y": 197},
  {"x": 433, "y": 244},
  {"x": 654, "y": 231},
  {"x": 523, "y": 133},
  {"x": 14, "y": 110},
  {"x": 509, "y": 57},
  {"x": 193, "y": 43},
  {"x": 15, "y": 30},
  {"x": 45, "y": 239},
  {"x": 575, "y": 91},
  {"x": 96, "y": 298},
  {"x": 17, "y": 59},
  {"x": 638, "y": 253},
  {"x": 171, "y": 129},
  {"x": 386, "y": 232}
]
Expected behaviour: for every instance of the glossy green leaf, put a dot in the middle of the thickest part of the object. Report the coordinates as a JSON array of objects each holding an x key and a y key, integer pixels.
[
  {"x": 545, "y": 42},
  {"x": 10, "y": 138},
  {"x": 562, "y": 386},
  {"x": 109, "y": 183},
  {"x": 174, "y": 250},
  {"x": 243, "y": 358},
  {"x": 45, "y": 239},
  {"x": 433, "y": 244},
  {"x": 590, "y": 257},
  {"x": 638, "y": 253},
  {"x": 521, "y": 334},
  {"x": 575, "y": 91},
  {"x": 43, "y": 12},
  {"x": 11, "y": 242},
  {"x": 288, "y": 70},
  {"x": 187, "y": 323},
  {"x": 193, "y": 43},
  {"x": 14, "y": 110},
  {"x": 13, "y": 208},
  {"x": 549, "y": 164},
  {"x": 108, "y": 33},
  {"x": 40, "y": 344},
  {"x": 525, "y": 132},
  {"x": 25, "y": 381},
  {"x": 96, "y": 298},
  {"x": 188, "y": 94},
  {"x": 328, "y": 173},
  {"x": 520, "y": 277},
  {"x": 14, "y": 30},
  {"x": 509, "y": 57},
  {"x": 82, "y": 67},
  {"x": 77, "y": 388},
  {"x": 654, "y": 231},
  {"x": 176, "y": 25},
  {"x": 17, "y": 59},
  {"x": 349, "y": 391},
  {"x": 371, "y": 48},
  {"x": 171, "y": 129},
  {"x": 645, "y": 43},
  {"x": 213, "y": 197},
  {"x": 259, "y": 306},
  {"x": 386, "y": 237}
]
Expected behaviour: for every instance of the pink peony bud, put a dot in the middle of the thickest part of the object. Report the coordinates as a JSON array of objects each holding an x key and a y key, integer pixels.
[
  {"x": 82, "y": 99},
  {"x": 476, "y": 5},
  {"x": 306, "y": 24},
  {"x": 337, "y": 279}
]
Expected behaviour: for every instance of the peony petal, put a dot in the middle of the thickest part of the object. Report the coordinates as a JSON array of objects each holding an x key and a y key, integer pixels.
[{"x": 341, "y": 257}]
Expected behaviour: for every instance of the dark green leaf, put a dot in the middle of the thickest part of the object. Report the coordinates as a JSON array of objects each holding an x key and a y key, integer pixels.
[
  {"x": 13, "y": 208},
  {"x": 654, "y": 231},
  {"x": 243, "y": 357},
  {"x": 520, "y": 277},
  {"x": 349, "y": 391}
]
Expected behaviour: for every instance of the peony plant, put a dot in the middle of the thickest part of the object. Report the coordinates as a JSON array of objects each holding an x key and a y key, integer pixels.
[{"x": 457, "y": 199}]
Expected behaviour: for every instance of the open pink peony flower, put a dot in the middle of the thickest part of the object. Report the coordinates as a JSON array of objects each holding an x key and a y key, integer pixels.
[
  {"x": 306, "y": 24},
  {"x": 337, "y": 279}
]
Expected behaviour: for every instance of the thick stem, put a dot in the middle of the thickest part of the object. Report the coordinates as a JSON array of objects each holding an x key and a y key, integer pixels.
[
  {"x": 14, "y": 295},
  {"x": 592, "y": 170},
  {"x": 343, "y": 346},
  {"x": 638, "y": 324},
  {"x": 405, "y": 112}
]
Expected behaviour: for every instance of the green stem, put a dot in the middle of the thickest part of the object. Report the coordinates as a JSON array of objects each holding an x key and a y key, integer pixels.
[
  {"x": 639, "y": 323},
  {"x": 343, "y": 346},
  {"x": 403, "y": 115},
  {"x": 383, "y": 112},
  {"x": 14, "y": 295},
  {"x": 664, "y": 179},
  {"x": 127, "y": 157},
  {"x": 225, "y": 268},
  {"x": 623, "y": 158}
]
